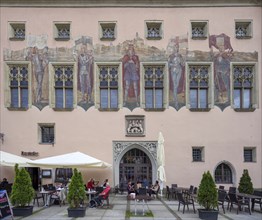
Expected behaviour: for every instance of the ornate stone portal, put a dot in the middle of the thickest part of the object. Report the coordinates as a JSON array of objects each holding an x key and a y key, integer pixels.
[{"x": 121, "y": 147}]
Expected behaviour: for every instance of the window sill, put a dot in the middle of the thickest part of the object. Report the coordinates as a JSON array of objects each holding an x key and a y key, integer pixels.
[
  {"x": 108, "y": 109},
  {"x": 198, "y": 161},
  {"x": 155, "y": 109},
  {"x": 49, "y": 143},
  {"x": 244, "y": 37},
  {"x": 244, "y": 109},
  {"x": 107, "y": 39},
  {"x": 62, "y": 38},
  {"x": 16, "y": 38},
  {"x": 199, "y": 38},
  {"x": 199, "y": 109},
  {"x": 250, "y": 161},
  {"x": 63, "y": 109},
  {"x": 17, "y": 108},
  {"x": 154, "y": 38}
]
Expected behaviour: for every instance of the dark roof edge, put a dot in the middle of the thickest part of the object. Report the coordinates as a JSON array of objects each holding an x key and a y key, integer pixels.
[{"x": 131, "y": 3}]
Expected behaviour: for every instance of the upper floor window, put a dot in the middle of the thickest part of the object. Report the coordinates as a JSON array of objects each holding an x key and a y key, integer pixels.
[
  {"x": 17, "y": 31},
  {"x": 19, "y": 85},
  {"x": 107, "y": 30},
  {"x": 199, "y": 29},
  {"x": 62, "y": 30},
  {"x": 198, "y": 154},
  {"x": 46, "y": 133},
  {"x": 223, "y": 174},
  {"x": 154, "y": 84},
  {"x": 62, "y": 86},
  {"x": 199, "y": 77},
  {"x": 109, "y": 86},
  {"x": 244, "y": 96},
  {"x": 243, "y": 29},
  {"x": 154, "y": 30},
  {"x": 249, "y": 154}
]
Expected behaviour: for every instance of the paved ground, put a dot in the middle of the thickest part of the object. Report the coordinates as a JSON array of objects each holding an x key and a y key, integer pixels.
[{"x": 119, "y": 205}]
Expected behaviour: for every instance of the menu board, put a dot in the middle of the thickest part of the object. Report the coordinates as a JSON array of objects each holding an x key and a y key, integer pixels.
[{"x": 5, "y": 209}]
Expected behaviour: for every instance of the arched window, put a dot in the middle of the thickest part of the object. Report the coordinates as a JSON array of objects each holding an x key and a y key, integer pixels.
[
  {"x": 62, "y": 175},
  {"x": 223, "y": 174}
]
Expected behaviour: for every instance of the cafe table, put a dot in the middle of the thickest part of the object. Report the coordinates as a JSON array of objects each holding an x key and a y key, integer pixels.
[
  {"x": 90, "y": 193},
  {"x": 46, "y": 193}
]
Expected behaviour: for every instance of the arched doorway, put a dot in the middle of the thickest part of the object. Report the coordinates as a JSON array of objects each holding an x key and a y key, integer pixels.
[{"x": 135, "y": 166}]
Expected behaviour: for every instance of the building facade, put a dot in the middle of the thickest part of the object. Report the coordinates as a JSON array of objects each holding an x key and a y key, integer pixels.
[{"x": 105, "y": 77}]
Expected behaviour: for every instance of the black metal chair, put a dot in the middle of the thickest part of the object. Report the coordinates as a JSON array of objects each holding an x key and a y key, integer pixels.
[
  {"x": 222, "y": 194},
  {"x": 38, "y": 196},
  {"x": 185, "y": 201},
  {"x": 258, "y": 200},
  {"x": 231, "y": 190},
  {"x": 239, "y": 201},
  {"x": 168, "y": 192},
  {"x": 221, "y": 187}
]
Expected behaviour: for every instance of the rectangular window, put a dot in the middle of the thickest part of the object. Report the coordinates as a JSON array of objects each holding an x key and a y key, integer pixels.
[
  {"x": 199, "y": 29},
  {"x": 154, "y": 86},
  {"x": 62, "y": 31},
  {"x": 199, "y": 80},
  {"x": 108, "y": 86},
  {"x": 154, "y": 30},
  {"x": 18, "y": 85},
  {"x": 63, "y": 86},
  {"x": 16, "y": 31},
  {"x": 243, "y": 82},
  {"x": 249, "y": 154},
  {"x": 107, "y": 30},
  {"x": 197, "y": 154},
  {"x": 46, "y": 133},
  {"x": 243, "y": 29}
]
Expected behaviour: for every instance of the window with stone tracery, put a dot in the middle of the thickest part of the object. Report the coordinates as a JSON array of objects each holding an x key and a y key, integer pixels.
[
  {"x": 109, "y": 86},
  {"x": 16, "y": 31},
  {"x": 154, "y": 30},
  {"x": 107, "y": 30},
  {"x": 243, "y": 29},
  {"x": 62, "y": 31},
  {"x": 199, "y": 84},
  {"x": 18, "y": 75},
  {"x": 199, "y": 29}
]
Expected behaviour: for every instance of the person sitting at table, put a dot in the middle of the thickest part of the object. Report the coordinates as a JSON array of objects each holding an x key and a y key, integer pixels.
[
  {"x": 106, "y": 183},
  {"x": 154, "y": 189},
  {"x": 91, "y": 184},
  {"x": 130, "y": 188},
  {"x": 4, "y": 183}
]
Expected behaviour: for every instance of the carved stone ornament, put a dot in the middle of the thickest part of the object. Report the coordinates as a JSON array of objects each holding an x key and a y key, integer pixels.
[{"x": 135, "y": 125}]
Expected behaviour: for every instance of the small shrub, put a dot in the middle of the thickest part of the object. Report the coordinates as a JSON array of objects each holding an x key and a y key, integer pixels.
[{"x": 245, "y": 183}]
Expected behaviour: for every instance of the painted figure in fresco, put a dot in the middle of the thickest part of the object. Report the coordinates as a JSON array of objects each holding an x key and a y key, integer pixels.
[
  {"x": 85, "y": 61},
  {"x": 221, "y": 65},
  {"x": 40, "y": 63},
  {"x": 175, "y": 64},
  {"x": 131, "y": 74}
]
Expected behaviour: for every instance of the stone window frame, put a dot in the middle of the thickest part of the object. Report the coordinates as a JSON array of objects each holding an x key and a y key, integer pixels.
[
  {"x": 97, "y": 87},
  {"x": 138, "y": 132},
  {"x": 154, "y": 23},
  {"x": 165, "y": 86},
  {"x": 61, "y": 24},
  {"x": 253, "y": 151},
  {"x": 254, "y": 92},
  {"x": 199, "y": 23},
  {"x": 12, "y": 25},
  {"x": 202, "y": 152},
  {"x": 39, "y": 129},
  {"x": 7, "y": 84},
  {"x": 52, "y": 85},
  {"x": 107, "y": 24},
  {"x": 248, "y": 23},
  {"x": 210, "y": 87}
]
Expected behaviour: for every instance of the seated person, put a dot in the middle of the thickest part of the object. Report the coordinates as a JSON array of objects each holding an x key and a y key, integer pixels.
[
  {"x": 4, "y": 183},
  {"x": 91, "y": 184},
  {"x": 154, "y": 189},
  {"x": 106, "y": 183},
  {"x": 130, "y": 188}
]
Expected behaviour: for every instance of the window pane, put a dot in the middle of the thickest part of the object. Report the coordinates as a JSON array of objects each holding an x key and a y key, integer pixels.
[
  {"x": 113, "y": 98},
  {"x": 69, "y": 98},
  {"x": 248, "y": 155},
  {"x": 237, "y": 94},
  {"x": 197, "y": 154},
  {"x": 149, "y": 98},
  {"x": 14, "y": 97},
  {"x": 159, "y": 98},
  {"x": 247, "y": 96},
  {"x": 24, "y": 98},
  {"x": 59, "y": 98},
  {"x": 193, "y": 98},
  {"x": 47, "y": 134},
  {"x": 104, "y": 98},
  {"x": 203, "y": 98}
]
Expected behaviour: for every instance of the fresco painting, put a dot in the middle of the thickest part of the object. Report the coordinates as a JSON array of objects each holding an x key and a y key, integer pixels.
[{"x": 130, "y": 53}]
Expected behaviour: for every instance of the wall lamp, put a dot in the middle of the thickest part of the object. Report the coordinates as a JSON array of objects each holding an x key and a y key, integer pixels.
[{"x": 2, "y": 137}]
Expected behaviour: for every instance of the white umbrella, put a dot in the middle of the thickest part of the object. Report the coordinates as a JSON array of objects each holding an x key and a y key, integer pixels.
[
  {"x": 70, "y": 160},
  {"x": 161, "y": 175},
  {"x": 7, "y": 159}
]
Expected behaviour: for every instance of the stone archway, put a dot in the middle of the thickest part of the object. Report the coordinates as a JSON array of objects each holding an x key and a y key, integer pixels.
[{"x": 121, "y": 147}]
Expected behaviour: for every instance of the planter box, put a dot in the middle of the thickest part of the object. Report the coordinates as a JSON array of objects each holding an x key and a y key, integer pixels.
[
  {"x": 208, "y": 214},
  {"x": 76, "y": 212},
  {"x": 23, "y": 211}
]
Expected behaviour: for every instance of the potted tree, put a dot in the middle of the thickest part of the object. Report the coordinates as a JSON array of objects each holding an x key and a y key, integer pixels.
[
  {"x": 22, "y": 193},
  {"x": 76, "y": 196},
  {"x": 207, "y": 197},
  {"x": 245, "y": 183}
]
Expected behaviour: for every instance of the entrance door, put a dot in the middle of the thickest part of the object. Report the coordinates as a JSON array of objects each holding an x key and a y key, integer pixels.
[
  {"x": 34, "y": 174},
  {"x": 135, "y": 166}
]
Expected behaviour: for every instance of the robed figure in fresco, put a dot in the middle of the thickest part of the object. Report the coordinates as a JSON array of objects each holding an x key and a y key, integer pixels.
[
  {"x": 131, "y": 77},
  {"x": 221, "y": 60}
]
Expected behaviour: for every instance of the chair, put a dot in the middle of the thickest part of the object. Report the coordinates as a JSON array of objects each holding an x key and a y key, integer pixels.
[
  {"x": 58, "y": 196},
  {"x": 232, "y": 190},
  {"x": 38, "y": 196},
  {"x": 173, "y": 192},
  {"x": 258, "y": 200},
  {"x": 142, "y": 191},
  {"x": 221, "y": 187},
  {"x": 221, "y": 199},
  {"x": 185, "y": 202},
  {"x": 239, "y": 201},
  {"x": 105, "y": 195},
  {"x": 168, "y": 192}
]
